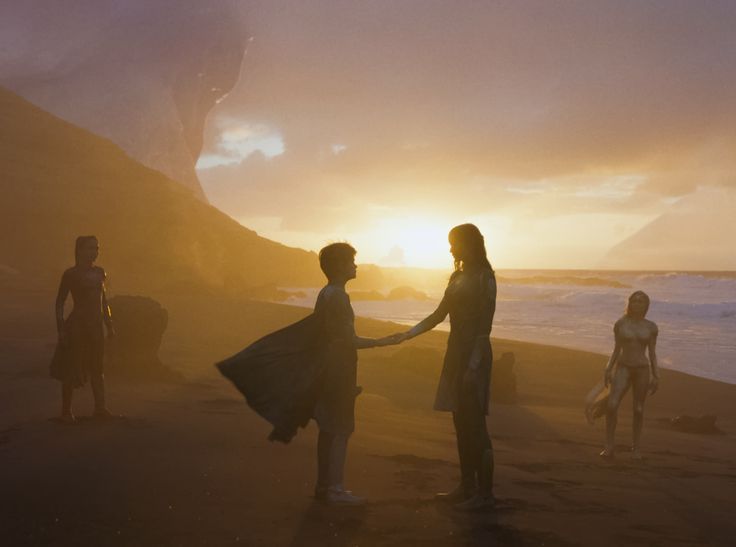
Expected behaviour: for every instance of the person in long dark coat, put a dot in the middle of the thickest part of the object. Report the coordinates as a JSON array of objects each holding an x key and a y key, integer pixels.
[
  {"x": 80, "y": 349},
  {"x": 470, "y": 300},
  {"x": 308, "y": 370}
]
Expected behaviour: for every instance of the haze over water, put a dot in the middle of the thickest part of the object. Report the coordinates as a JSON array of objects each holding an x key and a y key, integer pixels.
[{"x": 695, "y": 312}]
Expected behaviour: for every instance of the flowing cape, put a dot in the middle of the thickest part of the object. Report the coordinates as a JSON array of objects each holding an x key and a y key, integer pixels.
[{"x": 281, "y": 375}]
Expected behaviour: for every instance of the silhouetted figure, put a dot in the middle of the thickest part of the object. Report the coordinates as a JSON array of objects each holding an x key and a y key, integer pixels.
[
  {"x": 629, "y": 367},
  {"x": 309, "y": 369},
  {"x": 470, "y": 300},
  {"x": 80, "y": 350}
]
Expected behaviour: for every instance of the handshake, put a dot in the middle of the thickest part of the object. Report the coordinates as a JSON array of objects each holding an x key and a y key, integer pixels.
[{"x": 393, "y": 339}]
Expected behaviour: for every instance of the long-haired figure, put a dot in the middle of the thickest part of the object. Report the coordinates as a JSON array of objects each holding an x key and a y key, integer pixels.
[
  {"x": 470, "y": 300},
  {"x": 79, "y": 354},
  {"x": 629, "y": 367}
]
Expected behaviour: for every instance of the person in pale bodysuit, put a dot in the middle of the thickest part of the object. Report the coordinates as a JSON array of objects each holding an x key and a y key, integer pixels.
[{"x": 630, "y": 367}]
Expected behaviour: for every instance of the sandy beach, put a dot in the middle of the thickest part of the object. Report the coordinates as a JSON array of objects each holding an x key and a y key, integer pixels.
[{"x": 190, "y": 464}]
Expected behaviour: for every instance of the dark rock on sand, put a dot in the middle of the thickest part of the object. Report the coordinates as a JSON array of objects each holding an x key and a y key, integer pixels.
[
  {"x": 140, "y": 323},
  {"x": 705, "y": 424},
  {"x": 503, "y": 383}
]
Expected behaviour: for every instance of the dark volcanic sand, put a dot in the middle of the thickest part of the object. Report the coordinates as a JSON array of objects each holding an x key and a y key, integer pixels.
[{"x": 190, "y": 465}]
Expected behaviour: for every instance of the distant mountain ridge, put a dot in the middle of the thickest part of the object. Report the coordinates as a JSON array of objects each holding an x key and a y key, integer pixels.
[
  {"x": 697, "y": 233},
  {"x": 60, "y": 181}
]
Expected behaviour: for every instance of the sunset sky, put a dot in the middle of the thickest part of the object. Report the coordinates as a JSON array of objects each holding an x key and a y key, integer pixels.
[{"x": 560, "y": 128}]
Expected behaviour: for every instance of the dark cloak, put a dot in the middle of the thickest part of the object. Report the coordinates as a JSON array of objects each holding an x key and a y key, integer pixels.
[{"x": 281, "y": 375}]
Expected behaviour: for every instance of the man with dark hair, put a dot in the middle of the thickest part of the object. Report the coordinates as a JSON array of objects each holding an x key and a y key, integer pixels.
[
  {"x": 335, "y": 409},
  {"x": 332, "y": 257},
  {"x": 309, "y": 370}
]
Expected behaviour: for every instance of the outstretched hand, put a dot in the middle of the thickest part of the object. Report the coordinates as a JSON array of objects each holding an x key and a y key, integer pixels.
[{"x": 392, "y": 339}]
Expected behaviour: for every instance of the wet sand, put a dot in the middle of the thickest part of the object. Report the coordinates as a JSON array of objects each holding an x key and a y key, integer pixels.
[{"x": 190, "y": 463}]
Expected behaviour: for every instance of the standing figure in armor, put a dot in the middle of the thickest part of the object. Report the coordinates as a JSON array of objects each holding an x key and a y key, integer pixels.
[
  {"x": 629, "y": 367},
  {"x": 79, "y": 353},
  {"x": 470, "y": 300}
]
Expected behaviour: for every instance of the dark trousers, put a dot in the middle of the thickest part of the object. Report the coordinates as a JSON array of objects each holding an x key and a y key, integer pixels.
[{"x": 473, "y": 443}]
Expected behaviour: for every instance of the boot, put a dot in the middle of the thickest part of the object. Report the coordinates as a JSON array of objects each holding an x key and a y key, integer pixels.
[{"x": 483, "y": 499}]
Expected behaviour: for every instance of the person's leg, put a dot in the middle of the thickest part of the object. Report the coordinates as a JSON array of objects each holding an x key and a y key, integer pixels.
[
  {"x": 324, "y": 443},
  {"x": 485, "y": 456},
  {"x": 98, "y": 391},
  {"x": 619, "y": 387},
  {"x": 465, "y": 447},
  {"x": 466, "y": 487},
  {"x": 338, "y": 453},
  {"x": 640, "y": 381},
  {"x": 336, "y": 493},
  {"x": 482, "y": 457},
  {"x": 67, "y": 391}
]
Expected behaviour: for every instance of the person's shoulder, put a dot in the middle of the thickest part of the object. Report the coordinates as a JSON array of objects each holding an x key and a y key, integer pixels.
[
  {"x": 652, "y": 326},
  {"x": 619, "y": 323},
  {"x": 487, "y": 275},
  {"x": 333, "y": 293}
]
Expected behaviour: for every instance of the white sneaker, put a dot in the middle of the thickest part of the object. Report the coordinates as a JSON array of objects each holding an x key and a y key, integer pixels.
[{"x": 339, "y": 496}]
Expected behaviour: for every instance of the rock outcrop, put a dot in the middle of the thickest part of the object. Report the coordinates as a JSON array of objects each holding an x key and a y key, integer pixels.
[
  {"x": 140, "y": 323},
  {"x": 503, "y": 384},
  {"x": 142, "y": 73},
  {"x": 59, "y": 181}
]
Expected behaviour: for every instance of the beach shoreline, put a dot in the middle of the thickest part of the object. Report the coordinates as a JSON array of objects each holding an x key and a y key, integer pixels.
[{"x": 190, "y": 464}]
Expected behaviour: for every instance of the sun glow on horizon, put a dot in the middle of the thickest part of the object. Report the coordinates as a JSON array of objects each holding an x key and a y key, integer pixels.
[{"x": 414, "y": 241}]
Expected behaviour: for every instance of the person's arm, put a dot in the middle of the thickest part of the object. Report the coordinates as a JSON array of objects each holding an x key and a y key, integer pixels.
[
  {"x": 429, "y": 322},
  {"x": 106, "y": 313},
  {"x": 608, "y": 373},
  {"x": 61, "y": 295},
  {"x": 482, "y": 345},
  {"x": 654, "y": 384},
  {"x": 339, "y": 319},
  {"x": 364, "y": 343}
]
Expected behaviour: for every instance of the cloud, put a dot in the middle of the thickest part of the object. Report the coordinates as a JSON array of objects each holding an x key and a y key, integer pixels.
[
  {"x": 469, "y": 108},
  {"x": 394, "y": 257}
]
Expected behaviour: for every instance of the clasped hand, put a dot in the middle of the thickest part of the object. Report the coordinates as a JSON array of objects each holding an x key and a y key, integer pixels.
[{"x": 393, "y": 339}]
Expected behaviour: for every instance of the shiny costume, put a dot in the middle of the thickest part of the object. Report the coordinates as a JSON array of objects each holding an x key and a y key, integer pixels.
[
  {"x": 80, "y": 357},
  {"x": 470, "y": 300},
  {"x": 633, "y": 337}
]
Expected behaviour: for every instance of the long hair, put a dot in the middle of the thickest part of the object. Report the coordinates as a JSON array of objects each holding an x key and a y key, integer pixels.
[
  {"x": 631, "y": 297},
  {"x": 472, "y": 240},
  {"x": 78, "y": 244}
]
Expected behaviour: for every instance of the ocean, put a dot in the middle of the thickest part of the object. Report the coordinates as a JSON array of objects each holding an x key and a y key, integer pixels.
[{"x": 695, "y": 312}]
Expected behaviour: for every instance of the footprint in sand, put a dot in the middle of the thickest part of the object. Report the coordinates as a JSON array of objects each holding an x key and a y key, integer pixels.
[
  {"x": 532, "y": 467},
  {"x": 417, "y": 472},
  {"x": 221, "y": 406}
]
